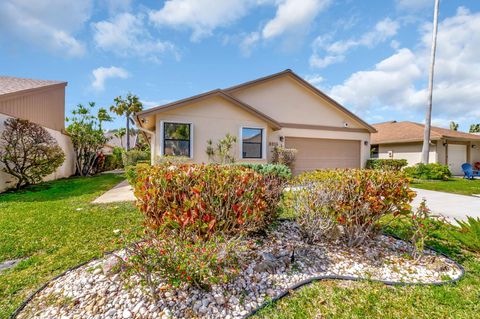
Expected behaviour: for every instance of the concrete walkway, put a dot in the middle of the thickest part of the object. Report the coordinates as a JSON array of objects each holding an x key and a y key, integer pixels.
[
  {"x": 451, "y": 206},
  {"x": 123, "y": 192}
]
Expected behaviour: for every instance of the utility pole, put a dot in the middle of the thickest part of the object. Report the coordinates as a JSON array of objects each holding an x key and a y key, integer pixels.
[{"x": 428, "y": 115}]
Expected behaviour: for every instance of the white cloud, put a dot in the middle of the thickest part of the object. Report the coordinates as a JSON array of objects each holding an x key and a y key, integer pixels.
[
  {"x": 248, "y": 42},
  {"x": 116, "y": 6},
  {"x": 399, "y": 82},
  {"x": 293, "y": 15},
  {"x": 413, "y": 4},
  {"x": 314, "y": 79},
  {"x": 201, "y": 16},
  {"x": 101, "y": 74},
  {"x": 126, "y": 35},
  {"x": 335, "y": 52},
  {"x": 39, "y": 23}
]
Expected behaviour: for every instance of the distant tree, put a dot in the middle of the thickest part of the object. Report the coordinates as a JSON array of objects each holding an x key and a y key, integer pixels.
[
  {"x": 87, "y": 137},
  {"x": 120, "y": 133},
  {"x": 127, "y": 107},
  {"x": 28, "y": 152},
  {"x": 453, "y": 126},
  {"x": 475, "y": 128}
]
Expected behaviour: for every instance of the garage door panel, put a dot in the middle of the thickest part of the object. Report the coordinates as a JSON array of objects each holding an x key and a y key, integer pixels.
[{"x": 315, "y": 153}]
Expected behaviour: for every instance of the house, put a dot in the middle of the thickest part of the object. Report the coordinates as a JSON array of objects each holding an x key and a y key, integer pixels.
[
  {"x": 42, "y": 102},
  {"x": 281, "y": 109},
  {"x": 404, "y": 140},
  {"x": 115, "y": 141}
]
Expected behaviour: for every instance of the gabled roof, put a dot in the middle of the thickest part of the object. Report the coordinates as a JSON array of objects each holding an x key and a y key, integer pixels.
[
  {"x": 404, "y": 132},
  {"x": 218, "y": 93},
  {"x": 10, "y": 84},
  {"x": 306, "y": 84},
  {"x": 225, "y": 93}
]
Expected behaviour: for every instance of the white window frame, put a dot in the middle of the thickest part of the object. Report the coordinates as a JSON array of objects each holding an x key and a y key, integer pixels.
[
  {"x": 264, "y": 143},
  {"x": 162, "y": 136}
]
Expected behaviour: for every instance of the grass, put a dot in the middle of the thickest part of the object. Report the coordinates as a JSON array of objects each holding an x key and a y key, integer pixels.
[
  {"x": 54, "y": 226},
  {"x": 344, "y": 299},
  {"x": 454, "y": 185}
]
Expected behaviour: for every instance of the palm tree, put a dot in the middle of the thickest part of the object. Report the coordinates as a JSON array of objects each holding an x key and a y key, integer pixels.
[
  {"x": 428, "y": 115},
  {"x": 453, "y": 126},
  {"x": 128, "y": 106},
  {"x": 120, "y": 133}
]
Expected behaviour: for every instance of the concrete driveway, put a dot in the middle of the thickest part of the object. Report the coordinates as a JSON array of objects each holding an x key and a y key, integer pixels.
[{"x": 451, "y": 206}]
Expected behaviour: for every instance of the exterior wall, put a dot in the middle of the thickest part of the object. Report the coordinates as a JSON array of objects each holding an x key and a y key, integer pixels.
[
  {"x": 288, "y": 101},
  {"x": 341, "y": 135},
  {"x": 211, "y": 119},
  {"x": 44, "y": 106},
  {"x": 412, "y": 152},
  {"x": 475, "y": 152},
  {"x": 67, "y": 168}
]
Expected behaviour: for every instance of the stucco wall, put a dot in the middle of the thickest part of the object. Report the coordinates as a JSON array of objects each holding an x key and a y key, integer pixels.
[
  {"x": 287, "y": 101},
  {"x": 44, "y": 106},
  {"x": 412, "y": 152},
  {"x": 67, "y": 168},
  {"x": 211, "y": 119}
]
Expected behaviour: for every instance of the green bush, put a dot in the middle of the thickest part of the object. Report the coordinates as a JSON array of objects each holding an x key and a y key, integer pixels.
[
  {"x": 469, "y": 233},
  {"x": 279, "y": 170},
  {"x": 132, "y": 157},
  {"x": 431, "y": 171},
  {"x": 203, "y": 200},
  {"x": 172, "y": 159},
  {"x": 356, "y": 199},
  {"x": 386, "y": 164}
]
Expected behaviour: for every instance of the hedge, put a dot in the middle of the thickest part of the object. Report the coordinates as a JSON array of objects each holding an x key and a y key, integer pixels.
[{"x": 386, "y": 164}]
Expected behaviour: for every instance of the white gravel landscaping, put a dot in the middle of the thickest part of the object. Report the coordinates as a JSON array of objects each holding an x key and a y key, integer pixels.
[{"x": 273, "y": 263}]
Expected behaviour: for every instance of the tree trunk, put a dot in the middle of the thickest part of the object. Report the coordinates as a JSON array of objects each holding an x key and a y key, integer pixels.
[
  {"x": 428, "y": 115},
  {"x": 128, "y": 132}
]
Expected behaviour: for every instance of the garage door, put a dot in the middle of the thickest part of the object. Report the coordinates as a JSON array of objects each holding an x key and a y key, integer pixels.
[
  {"x": 457, "y": 155},
  {"x": 316, "y": 153}
]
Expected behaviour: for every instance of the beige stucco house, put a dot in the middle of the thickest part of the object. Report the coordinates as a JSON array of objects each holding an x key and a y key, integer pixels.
[
  {"x": 280, "y": 109},
  {"x": 42, "y": 102},
  {"x": 404, "y": 140}
]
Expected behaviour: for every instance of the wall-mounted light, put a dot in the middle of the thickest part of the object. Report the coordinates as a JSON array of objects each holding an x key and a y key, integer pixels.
[
  {"x": 474, "y": 146},
  {"x": 445, "y": 144},
  {"x": 365, "y": 143},
  {"x": 281, "y": 138}
]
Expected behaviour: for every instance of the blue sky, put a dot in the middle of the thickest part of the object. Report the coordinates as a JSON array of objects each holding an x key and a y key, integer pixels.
[{"x": 372, "y": 56}]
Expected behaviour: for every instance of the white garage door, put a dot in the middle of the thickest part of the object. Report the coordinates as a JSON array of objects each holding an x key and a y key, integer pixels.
[
  {"x": 316, "y": 153},
  {"x": 457, "y": 155}
]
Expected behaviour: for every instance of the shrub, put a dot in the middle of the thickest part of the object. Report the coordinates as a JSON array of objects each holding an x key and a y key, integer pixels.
[
  {"x": 278, "y": 170},
  {"x": 132, "y": 157},
  {"x": 429, "y": 171},
  {"x": 361, "y": 198},
  {"x": 163, "y": 255},
  {"x": 222, "y": 151},
  {"x": 386, "y": 164},
  {"x": 171, "y": 159},
  {"x": 469, "y": 233},
  {"x": 420, "y": 229},
  {"x": 28, "y": 152},
  {"x": 313, "y": 211},
  {"x": 201, "y": 200},
  {"x": 285, "y": 156}
]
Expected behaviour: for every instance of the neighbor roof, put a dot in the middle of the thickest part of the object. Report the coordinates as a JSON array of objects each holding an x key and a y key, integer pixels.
[
  {"x": 10, "y": 84},
  {"x": 225, "y": 93},
  {"x": 403, "y": 132}
]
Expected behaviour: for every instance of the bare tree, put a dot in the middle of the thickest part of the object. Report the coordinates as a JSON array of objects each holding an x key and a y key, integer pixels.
[{"x": 428, "y": 116}]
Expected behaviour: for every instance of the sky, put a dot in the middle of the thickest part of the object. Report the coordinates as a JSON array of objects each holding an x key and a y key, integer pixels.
[{"x": 371, "y": 55}]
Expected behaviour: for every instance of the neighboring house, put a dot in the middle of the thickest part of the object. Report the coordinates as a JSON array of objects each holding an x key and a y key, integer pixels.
[
  {"x": 42, "y": 102},
  {"x": 404, "y": 140},
  {"x": 280, "y": 109},
  {"x": 114, "y": 141}
]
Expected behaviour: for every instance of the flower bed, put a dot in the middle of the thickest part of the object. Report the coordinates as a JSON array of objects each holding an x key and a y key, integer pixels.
[{"x": 273, "y": 263}]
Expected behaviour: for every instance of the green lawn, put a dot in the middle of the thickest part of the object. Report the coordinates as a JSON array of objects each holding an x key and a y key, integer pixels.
[
  {"x": 344, "y": 299},
  {"x": 55, "y": 227},
  {"x": 454, "y": 185}
]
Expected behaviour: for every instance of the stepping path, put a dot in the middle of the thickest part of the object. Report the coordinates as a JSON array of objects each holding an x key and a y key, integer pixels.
[
  {"x": 451, "y": 206},
  {"x": 122, "y": 192}
]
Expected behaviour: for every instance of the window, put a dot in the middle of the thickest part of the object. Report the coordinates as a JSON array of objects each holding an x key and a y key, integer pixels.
[
  {"x": 176, "y": 139},
  {"x": 252, "y": 142}
]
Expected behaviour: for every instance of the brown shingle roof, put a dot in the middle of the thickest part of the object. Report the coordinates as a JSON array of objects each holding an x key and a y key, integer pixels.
[
  {"x": 10, "y": 84},
  {"x": 401, "y": 132}
]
